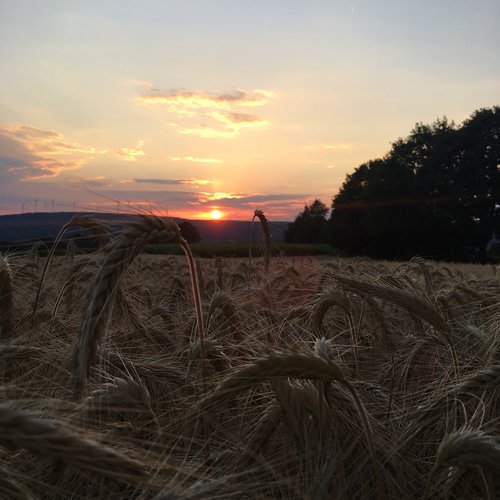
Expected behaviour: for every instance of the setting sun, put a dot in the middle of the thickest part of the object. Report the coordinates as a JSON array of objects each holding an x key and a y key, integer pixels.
[{"x": 215, "y": 214}]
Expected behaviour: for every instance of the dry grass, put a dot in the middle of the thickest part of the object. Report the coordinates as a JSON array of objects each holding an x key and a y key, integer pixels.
[{"x": 318, "y": 378}]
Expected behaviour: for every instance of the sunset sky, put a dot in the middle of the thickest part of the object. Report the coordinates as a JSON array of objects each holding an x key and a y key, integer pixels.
[{"x": 181, "y": 107}]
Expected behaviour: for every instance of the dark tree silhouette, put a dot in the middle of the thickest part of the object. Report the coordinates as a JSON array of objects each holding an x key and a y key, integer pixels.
[
  {"x": 309, "y": 226},
  {"x": 434, "y": 194}
]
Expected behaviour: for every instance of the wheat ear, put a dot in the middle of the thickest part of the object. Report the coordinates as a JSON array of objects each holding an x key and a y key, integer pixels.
[
  {"x": 465, "y": 447},
  {"x": 86, "y": 221},
  {"x": 483, "y": 379},
  {"x": 291, "y": 365},
  {"x": 409, "y": 301},
  {"x": 413, "y": 303},
  {"x": 223, "y": 301},
  {"x": 119, "y": 255},
  {"x": 75, "y": 273},
  {"x": 195, "y": 287},
  {"x": 20, "y": 430},
  {"x": 267, "y": 236}
]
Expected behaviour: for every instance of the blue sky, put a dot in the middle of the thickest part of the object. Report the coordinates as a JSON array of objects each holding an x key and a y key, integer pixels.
[{"x": 189, "y": 106}]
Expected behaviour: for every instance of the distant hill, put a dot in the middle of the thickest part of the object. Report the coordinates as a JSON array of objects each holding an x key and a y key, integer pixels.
[{"x": 34, "y": 226}]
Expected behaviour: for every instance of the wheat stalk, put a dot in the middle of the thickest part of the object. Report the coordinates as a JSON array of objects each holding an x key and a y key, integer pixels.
[
  {"x": 413, "y": 303},
  {"x": 6, "y": 300},
  {"x": 324, "y": 301},
  {"x": 9, "y": 352},
  {"x": 20, "y": 430},
  {"x": 409, "y": 301},
  {"x": 86, "y": 221},
  {"x": 293, "y": 411},
  {"x": 267, "y": 236},
  {"x": 267, "y": 424},
  {"x": 119, "y": 255},
  {"x": 465, "y": 447},
  {"x": 219, "y": 274},
  {"x": 75, "y": 273},
  {"x": 223, "y": 301},
  {"x": 290, "y": 365},
  {"x": 483, "y": 379},
  {"x": 11, "y": 489}
]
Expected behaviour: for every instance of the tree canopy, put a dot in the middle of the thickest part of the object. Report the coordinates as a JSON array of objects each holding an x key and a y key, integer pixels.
[
  {"x": 309, "y": 226},
  {"x": 435, "y": 194}
]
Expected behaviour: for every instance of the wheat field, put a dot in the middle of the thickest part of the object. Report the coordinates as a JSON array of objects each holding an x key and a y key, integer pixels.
[{"x": 130, "y": 376}]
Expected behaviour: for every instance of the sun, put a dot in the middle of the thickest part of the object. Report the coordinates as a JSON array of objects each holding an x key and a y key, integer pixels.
[{"x": 215, "y": 214}]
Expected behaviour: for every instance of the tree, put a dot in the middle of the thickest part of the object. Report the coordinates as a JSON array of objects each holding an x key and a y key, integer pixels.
[
  {"x": 189, "y": 232},
  {"x": 433, "y": 194},
  {"x": 309, "y": 225}
]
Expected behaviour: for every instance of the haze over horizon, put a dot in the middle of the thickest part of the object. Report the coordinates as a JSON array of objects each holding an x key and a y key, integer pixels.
[{"x": 187, "y": 107}]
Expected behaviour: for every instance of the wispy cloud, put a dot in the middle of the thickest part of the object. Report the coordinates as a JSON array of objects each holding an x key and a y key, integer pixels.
[
  {"x": 30, "y": 153},
  {"x": 179, "y": 101},
  {"x": 131, "y": 154},
  {"x": 210, "y": 132},
  {"x": 221, "y": 109},
  {"x": 46, "y": 141},
  {"x": 200, "y": 182},
  {"x": 91, "y": 183},
  {"x": 231, "y": 118},
  {"x": 338, "y": 147},
  {"x": 249, "y": 200},
  {"x": 196, "y": 159}
]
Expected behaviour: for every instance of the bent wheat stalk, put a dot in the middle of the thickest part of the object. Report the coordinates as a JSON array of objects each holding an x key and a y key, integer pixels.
[
  {"x": 465, "y": 447},
  {"x": 481, "y": 380},
  {"x": 292, "y": 365},
  {"x": 267, "y": 236},
  {"x": 86, "y": 221},
  {"x": 195, "y": 287},
  {"x": 20, "y": 430},
  {"x": 119, "y": 255},
  {"x": 413, "y": 303}
]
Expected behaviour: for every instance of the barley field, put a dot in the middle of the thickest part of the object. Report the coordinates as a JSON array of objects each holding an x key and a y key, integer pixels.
[{"x": 133, "y": 376}]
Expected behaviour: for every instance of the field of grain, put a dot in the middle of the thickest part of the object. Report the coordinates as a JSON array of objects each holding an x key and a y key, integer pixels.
[{"x": 297, "y": 378}]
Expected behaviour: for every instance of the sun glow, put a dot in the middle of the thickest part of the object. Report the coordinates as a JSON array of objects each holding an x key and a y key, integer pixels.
[{"x": 216, "y": 214}]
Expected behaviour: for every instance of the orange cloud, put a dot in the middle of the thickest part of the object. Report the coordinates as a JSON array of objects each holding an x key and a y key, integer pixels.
[
  {"x": 238, "y": 120},
  {"x": 230, "y": 130},
  {"x": 222, "y": 109},
  {"x": 46, "y": 141},
  {"x": 209, "y": 132},
  {"x": 180, "y": 101},
  {"x": 131, "y": 154},
  {"x": 194, "y": 182},
  {"x": 204, "y": 197},
  {"x": 36, "y": 154},
  {"x": 195, "y": 159}
]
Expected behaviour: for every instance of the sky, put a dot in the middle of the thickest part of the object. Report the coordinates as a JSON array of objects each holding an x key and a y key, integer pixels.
[{"x": 186, "y": 107}]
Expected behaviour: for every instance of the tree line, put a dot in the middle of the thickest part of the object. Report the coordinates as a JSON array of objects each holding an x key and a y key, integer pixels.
[{"x": 436, "y": 193}]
